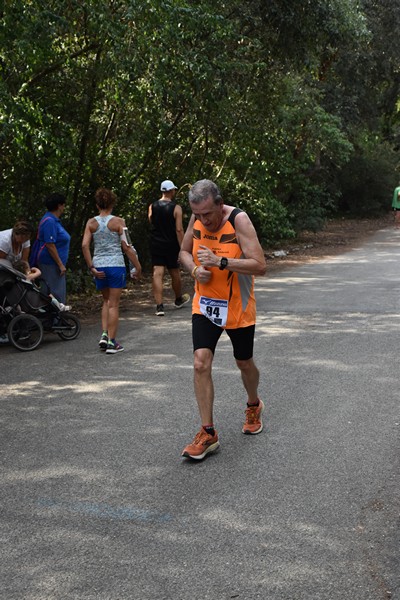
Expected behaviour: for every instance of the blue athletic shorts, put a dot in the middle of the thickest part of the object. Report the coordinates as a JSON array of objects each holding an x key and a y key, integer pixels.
[{"x": 115, "y": 278}]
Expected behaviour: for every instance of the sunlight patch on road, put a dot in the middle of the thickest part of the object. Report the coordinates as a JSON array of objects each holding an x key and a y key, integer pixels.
[
  {"x": 289, "y": 324},
  {"x": 294, "y": 279},
  {"x": 25, "y": 388},
  {"x": 231, "y": 520},
  {"x": 49, "y": 474}
]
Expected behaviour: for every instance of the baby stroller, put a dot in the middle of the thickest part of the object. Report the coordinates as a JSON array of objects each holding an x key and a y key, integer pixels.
[{"x": 27, "y": 311}]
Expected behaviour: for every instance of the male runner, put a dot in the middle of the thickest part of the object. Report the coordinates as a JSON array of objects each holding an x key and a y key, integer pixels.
[{"x": 221, "y": 250}]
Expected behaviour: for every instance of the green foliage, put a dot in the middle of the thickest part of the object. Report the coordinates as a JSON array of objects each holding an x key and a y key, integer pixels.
[
  {"x": 368, "y": 180},
  {"x": 269, "y": 99},
  {"x": 78, "y": 280},
  {"x": 271, "y": 220}
]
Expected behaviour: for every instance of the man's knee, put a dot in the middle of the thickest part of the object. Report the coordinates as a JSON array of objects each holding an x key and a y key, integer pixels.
[
  {"x": 246, "y": 366},
  {"x": 202, "y": 361}
]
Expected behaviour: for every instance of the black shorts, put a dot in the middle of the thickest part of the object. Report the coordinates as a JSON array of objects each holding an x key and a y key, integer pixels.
[
  {"x": 206, "y": 335},
  {"x": 167, "y": 259}
]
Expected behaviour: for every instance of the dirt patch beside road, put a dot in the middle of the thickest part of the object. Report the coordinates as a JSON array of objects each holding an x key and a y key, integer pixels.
[{"x": 338, "y": 236}]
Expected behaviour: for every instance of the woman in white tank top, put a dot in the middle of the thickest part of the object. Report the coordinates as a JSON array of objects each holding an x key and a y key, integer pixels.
[{"x": 108, "y": 268}]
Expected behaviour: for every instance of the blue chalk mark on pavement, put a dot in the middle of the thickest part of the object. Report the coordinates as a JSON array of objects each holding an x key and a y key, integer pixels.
[{"x": 105, "y": 511}]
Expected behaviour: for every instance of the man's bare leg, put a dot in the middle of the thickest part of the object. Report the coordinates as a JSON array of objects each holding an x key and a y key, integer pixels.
[
  {"x": 176, "y": 282},
  {"x": 158, "y": 277},
  {"x": 203, "y": 384},
  {"x": 250, "y": 377}
]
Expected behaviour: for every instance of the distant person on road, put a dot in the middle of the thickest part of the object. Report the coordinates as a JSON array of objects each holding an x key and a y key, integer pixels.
[
  {"x": 15, "y": 243},
  {"x": 166, "y": 237},
  {"x": 111, "y": 242},
  {"x": 222, "y": 252},
  {"x": 54, "y": 246},
  {"x": 396, "y": 207}
]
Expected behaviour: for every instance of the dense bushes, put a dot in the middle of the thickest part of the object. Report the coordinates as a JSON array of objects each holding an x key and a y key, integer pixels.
[
  {"x": 368, "y": 179},
  {"x": 292, "y": 127}
]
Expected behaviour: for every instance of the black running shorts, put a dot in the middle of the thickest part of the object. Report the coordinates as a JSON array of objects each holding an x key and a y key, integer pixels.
[
  {"x": 165, "y": 259},
  {"x": 206, "y": 335}
]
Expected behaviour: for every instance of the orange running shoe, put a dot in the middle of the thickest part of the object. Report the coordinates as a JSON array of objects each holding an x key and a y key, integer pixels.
[
  {"x": 203, "y": 444},
  {"x": 253, "y": 422}
]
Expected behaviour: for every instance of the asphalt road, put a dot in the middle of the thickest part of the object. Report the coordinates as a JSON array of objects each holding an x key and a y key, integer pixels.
[{"x": 96, "y": 502}]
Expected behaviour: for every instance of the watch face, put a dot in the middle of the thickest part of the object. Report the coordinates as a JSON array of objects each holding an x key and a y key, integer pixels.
[{"x": 224, "y": 263}]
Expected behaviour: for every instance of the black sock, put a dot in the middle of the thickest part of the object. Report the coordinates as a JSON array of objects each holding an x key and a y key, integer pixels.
[
  {"x": 209, "y": 429},
  {"x": 252, "y": 405}
]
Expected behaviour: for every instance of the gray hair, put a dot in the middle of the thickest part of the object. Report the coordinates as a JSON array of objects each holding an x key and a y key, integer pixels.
[{"x": 203, "y": 189}]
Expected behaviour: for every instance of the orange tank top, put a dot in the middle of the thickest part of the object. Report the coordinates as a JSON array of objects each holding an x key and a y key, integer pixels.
[{"x": 228, "y": 298}]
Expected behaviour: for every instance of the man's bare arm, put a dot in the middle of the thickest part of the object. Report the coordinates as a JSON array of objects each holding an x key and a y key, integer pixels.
[
  {"x": 178, "y": 224},
  {"x": 185, "y": 255},
  {"x": 253, "y": 261}
]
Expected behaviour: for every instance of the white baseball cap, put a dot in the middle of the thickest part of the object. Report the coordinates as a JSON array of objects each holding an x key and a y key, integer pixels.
[{"x": 168, "y": 185}]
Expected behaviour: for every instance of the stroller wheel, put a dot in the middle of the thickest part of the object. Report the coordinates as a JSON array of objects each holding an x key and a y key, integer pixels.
[
  {"x": 25, "y": 332},
  {"x": 68, "y": 326}
]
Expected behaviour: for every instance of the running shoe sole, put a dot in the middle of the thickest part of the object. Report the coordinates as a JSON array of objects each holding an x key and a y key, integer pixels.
[
  {"x": 253, "y": 432},
  {"x": 211, "y": 448},
  {"x": 183, "y": 303},
  {"x": 114, "y": 350}
]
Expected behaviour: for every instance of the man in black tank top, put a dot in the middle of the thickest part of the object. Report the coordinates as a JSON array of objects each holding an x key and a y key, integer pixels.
[{"x": 166, "y": 236}]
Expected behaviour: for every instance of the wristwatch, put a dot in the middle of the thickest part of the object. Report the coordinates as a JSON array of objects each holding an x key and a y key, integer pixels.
[{"x": 223, "y": 263}]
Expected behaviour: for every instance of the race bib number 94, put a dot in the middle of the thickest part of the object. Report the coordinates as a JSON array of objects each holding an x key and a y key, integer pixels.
[{"x": 214, "y": 309}]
